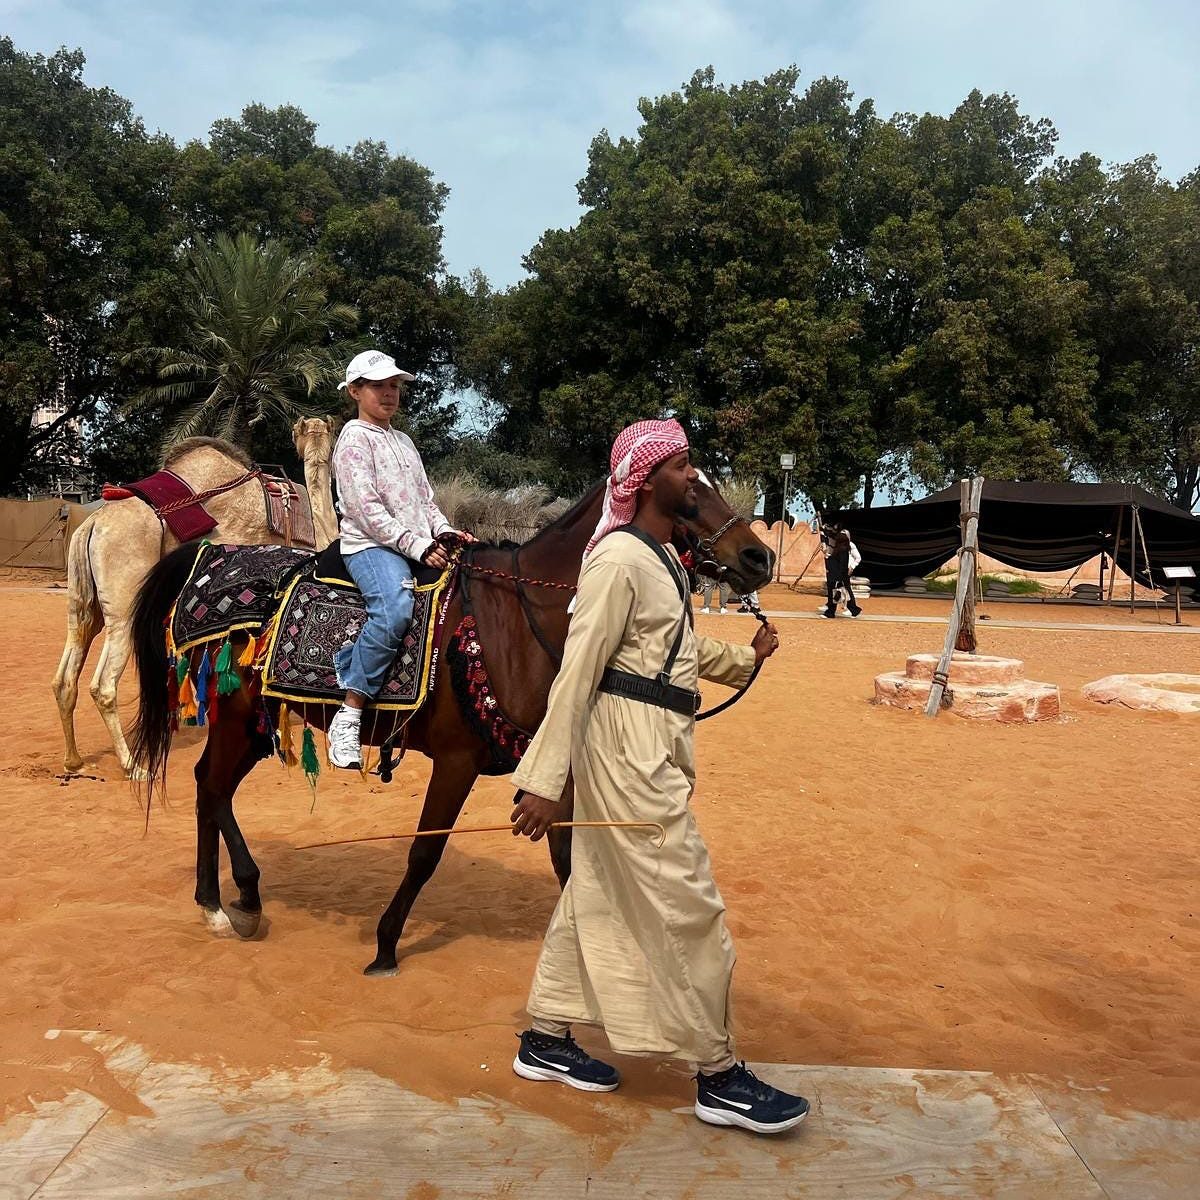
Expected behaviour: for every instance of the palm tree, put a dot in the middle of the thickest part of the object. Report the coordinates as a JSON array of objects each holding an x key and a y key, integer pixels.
[{"x": 258, "y": 332}]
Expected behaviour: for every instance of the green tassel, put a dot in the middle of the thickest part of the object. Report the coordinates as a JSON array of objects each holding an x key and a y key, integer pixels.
[
  {"x": 308, "y": 758},
  {"x": 228, "y": 680},
  {"x": 181, "y": 668}
]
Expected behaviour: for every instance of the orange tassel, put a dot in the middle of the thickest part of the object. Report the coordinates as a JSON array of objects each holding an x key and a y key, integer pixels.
[
  {"x": 285, "y": 737},
  {"x": 188, "y": 708},
  {"x": 246, "y": 658}
]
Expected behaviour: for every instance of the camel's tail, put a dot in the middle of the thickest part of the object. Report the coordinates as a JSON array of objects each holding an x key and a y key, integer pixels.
[
  {"x": 81, "y": 583},
  {"x": 150, "y": 737}
]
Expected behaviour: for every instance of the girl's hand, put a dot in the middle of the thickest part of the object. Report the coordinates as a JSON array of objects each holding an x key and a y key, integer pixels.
[{"x": 436, "y": 556}]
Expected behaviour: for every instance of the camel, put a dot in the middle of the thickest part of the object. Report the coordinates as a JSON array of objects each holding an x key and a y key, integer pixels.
[{"x": 113, "y": 549}]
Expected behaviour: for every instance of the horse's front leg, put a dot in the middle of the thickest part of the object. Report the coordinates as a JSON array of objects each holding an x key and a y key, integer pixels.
[{"x": 454, "y": 773}]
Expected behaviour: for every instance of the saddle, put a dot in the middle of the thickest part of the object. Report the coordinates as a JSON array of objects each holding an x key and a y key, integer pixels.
[
  {"x": 289, "y": 508},
  {"x": 287, "y": 505},
  {"x": 299, "y": 609}
]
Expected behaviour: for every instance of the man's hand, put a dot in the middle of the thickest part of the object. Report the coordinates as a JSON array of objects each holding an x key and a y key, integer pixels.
[
  {"x": 533, "y": 815},
  {"x": 766, "y": 642}
]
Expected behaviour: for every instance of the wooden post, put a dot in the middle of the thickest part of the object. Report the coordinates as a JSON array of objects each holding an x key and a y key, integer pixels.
[
  {"x": 965, "y": 640},
  {"x": 1141, "y": 533},
  {"x": 967, "y": 559},
  {"x": 1133, "y": 508},
  {"x": 1112, "y": 575},
  {"x": 1178, "y": 610}
]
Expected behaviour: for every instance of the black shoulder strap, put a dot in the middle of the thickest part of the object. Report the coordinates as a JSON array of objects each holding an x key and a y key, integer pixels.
[{"x": 686, "y": 619}]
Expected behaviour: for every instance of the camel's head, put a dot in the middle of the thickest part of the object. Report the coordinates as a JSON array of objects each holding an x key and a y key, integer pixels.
[{"x": 313, "y": 438}]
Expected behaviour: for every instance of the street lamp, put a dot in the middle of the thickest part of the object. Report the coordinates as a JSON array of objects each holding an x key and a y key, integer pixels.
[{"x": 786, "y": 462}]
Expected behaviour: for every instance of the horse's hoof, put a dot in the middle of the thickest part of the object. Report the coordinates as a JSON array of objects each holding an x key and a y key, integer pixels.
[
  {"x": 245, "y": 921},
  {"x": 218, "y": 923},
  {"x": 382, "y": 970}
]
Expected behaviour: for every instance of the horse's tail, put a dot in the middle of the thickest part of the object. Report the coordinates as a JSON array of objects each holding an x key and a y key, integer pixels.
[{"x": 150, "y": 737}]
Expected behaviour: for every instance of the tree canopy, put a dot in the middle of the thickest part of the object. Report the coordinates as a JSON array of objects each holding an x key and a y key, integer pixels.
[{"x": 897, "y": 301}]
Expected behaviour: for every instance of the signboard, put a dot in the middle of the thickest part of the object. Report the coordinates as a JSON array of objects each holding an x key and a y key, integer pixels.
[
  {"x": 787, "y": 461},
  {"x": 1178, "y": 572}
]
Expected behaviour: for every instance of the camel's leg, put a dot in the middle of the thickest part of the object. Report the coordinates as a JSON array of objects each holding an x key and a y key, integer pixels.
[
  {"x": 113, "y": 661},
  {"x": 84, "y": 621},
  {"x": 81, "y": 632},
  {"x": 453, "y": 775}
]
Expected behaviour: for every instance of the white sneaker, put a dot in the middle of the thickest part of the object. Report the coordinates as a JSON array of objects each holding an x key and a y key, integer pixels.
[
  {"x": 724, "y": 611},
  {"x": 706, "y": 609},
  {"x": 345, "y": 744}
]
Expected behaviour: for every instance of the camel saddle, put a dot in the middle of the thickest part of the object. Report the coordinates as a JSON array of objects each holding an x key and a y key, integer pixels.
[
  {"x": 289, "y": 508},
  {"x": 287, "y": 504}
]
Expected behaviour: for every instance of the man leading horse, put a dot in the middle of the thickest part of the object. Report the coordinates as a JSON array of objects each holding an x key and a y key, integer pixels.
[{"x": 638, "y": 943}]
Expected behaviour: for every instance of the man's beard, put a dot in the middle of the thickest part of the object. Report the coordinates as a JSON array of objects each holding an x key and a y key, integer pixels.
[{"x": 688, "y": 509}]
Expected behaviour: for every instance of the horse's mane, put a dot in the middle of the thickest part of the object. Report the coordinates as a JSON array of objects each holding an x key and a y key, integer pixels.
[
  {"x": 177, "y": 451},
  {"x": 567, "y": 519}
]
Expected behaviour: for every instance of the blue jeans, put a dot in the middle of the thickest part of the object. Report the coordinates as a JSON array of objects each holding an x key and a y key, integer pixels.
[{"x": 385, "y": 579}]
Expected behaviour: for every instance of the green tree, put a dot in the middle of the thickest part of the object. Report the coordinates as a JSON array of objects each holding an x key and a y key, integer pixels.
[
  {"x": 257, "y": 344},
  {"x": 87, "y": 250},
  {"x": 1134, "y": 238}
]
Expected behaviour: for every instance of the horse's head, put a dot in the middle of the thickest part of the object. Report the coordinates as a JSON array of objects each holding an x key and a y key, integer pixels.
[{"x": 721, "y": 543}]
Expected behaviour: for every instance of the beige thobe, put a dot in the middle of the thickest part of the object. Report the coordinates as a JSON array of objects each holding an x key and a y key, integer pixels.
[{"x": 638, "y": 942}]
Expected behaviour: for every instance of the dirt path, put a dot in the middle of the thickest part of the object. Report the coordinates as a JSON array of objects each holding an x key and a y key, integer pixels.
[{"x": 902, "y": 892}]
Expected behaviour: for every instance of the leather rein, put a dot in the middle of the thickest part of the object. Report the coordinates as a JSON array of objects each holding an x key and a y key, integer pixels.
[{"x": 708, "y": 565}]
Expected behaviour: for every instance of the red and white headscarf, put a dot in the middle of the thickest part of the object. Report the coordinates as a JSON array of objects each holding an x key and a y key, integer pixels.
[{"x": 636, "y": 452}]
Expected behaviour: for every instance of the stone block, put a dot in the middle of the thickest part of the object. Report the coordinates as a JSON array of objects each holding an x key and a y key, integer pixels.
[
  {"x": 1165, "y": 692},
  {"x": 1018, "y": 702},
  {"x": 968, "y": 668}
]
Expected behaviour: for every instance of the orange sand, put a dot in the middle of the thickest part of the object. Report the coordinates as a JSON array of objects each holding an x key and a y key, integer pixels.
[{"x": 902, "y": 892}]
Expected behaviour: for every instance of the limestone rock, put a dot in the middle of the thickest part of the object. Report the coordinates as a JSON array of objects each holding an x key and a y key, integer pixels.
[{"x": 1165, "y": 692}]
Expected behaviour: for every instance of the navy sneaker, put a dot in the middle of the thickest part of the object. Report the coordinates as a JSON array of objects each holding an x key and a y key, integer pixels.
[
  {"x": 738, "y": 1097},
  {"x": 562, "y": 1060}
]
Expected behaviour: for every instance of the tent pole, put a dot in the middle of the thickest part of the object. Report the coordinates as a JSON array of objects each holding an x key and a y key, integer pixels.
[
  {"x": 1146, "y": 555},
  {"x": 1112, "y": 578},
  {"x": 1133, "y": 508},
  {"x": 966, "y": 633},
  {"x": 967, "y": 559}
]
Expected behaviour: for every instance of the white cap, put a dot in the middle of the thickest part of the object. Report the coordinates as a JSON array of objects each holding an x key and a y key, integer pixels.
[{"x": 374, "y": 364}]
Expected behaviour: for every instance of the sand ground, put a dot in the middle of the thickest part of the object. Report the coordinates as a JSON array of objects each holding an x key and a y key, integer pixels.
[{"x": 902, "y": 892}]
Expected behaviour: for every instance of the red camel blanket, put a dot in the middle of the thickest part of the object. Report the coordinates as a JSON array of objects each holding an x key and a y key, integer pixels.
[{"x": 163, "y": 490}]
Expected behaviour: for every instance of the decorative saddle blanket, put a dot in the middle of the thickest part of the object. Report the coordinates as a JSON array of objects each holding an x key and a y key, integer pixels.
[
  {"x": 319, "y": 616},
  {"x": 165, "y": 489},
  {"x": 301, "y": 620},
  {"x": 232, "y": 588}
]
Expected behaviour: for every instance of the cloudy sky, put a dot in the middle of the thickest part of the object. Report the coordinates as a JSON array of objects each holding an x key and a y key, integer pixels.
[{"x": 501, "y": 99}]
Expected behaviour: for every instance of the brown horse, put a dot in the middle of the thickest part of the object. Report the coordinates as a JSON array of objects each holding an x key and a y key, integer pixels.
[{"x": 522, "y": 628}]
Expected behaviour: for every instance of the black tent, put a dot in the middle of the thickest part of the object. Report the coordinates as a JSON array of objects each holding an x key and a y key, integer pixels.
[{"x": 1030, "y": 526}]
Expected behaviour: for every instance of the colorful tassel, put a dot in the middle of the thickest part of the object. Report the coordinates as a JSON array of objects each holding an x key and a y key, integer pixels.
[
  {"x": 172, "y": 687},
  {"x": 187, "y": 701},
  {"x": 228, "y": 679},
  {"x": 308, "y": 758},
  {"x": 247, "y": 656},
  {"x": 181, "y": 669},
  {"x": 286, "y": 750},
  {"x": 203, "y": 675}
]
